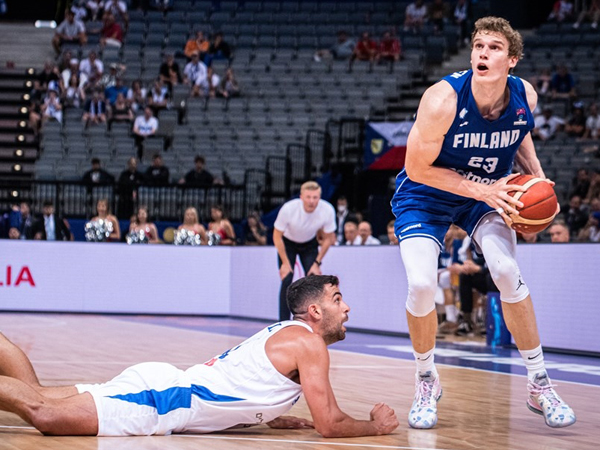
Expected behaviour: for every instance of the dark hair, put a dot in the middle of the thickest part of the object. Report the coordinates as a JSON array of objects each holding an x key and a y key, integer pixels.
[
  {"x": 95, "y": 161},
  {"x": 199, "y": 158},
  {"x": 48, "y": 203},
  {"x": 308, "y": 289}
]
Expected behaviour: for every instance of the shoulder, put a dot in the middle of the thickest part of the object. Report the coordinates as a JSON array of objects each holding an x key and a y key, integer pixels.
[
  {"x": 327, "y": 207},
  {"x": 530, "y": 93},
  {"x": 439, "y": 99}
]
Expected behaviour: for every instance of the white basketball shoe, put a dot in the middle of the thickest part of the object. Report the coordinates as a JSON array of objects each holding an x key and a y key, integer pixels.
[
  {"x": 544, "y": 400},
  {"x": 428, "y": 391}
]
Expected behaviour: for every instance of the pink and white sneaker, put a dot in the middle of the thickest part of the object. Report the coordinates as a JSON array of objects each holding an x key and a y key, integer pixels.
[
  {"x": 544, "y": 400},
  {"x": 423, "y": 413}
]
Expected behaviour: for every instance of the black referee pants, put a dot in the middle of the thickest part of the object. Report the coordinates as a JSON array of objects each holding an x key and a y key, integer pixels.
[{"x": 308, "y": 252}]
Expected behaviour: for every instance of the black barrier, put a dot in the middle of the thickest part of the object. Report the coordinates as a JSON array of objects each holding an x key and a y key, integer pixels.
[{"x": 78, "y": 199}]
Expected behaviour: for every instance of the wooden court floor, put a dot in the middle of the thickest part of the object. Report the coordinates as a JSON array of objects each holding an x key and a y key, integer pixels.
[{"x": 479, "y": 410}]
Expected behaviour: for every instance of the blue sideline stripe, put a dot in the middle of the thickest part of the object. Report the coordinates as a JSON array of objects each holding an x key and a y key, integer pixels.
[{"x": 173, "y": 398}]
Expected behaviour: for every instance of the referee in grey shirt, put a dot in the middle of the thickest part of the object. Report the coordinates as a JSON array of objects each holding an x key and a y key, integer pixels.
[{"x": 296, "y": 228}]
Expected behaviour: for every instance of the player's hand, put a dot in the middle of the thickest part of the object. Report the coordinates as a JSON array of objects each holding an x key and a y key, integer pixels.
[
  {"x": 384, "y": 418},
  {"x": 290, "y": 423},
  {"x": 496, "y": 196},
  {"x": 314, "y": 270},
  {"x": 285, "y": 270}
]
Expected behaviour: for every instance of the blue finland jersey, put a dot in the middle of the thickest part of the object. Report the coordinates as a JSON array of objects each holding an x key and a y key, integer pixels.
[{"x": 480, "y": 150}]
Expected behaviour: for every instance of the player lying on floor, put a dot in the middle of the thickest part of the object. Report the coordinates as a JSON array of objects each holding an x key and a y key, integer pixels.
[{"x": 253, "y": 383}]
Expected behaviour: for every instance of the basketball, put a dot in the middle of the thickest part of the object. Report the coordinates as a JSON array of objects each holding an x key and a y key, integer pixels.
[{"x": 540, "y": 205}]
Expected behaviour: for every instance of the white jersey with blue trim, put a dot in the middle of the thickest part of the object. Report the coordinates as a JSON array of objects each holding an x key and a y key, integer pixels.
[
  {"x": 480, "y": 150},
  {"x": 238, "y": 388},
  {"x": 244, "y": 386}
]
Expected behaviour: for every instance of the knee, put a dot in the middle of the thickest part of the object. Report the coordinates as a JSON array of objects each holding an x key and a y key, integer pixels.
[
  {"x": 42, "y": 418},
  {"x": 503, "y": 271},
  {"x": 421, "y": 296}
]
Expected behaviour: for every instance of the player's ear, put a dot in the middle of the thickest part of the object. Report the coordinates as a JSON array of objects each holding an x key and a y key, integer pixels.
[
  {"x": 513, "y": 60},
  {"x": 315, "y": 310}
]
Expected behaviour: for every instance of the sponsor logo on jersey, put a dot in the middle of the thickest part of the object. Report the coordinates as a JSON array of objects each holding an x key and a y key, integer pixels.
[
  {"x": 497, "y": 139},
  {"x": 475, "y": 178},
  {"x": 521, "y": 117}
]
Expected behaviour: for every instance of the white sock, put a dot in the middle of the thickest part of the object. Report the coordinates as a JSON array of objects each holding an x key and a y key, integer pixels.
[
  {"x": 450, "y": 313},
  {"x": 425, "y": 363},
  {"x": 534, "y": 361}
]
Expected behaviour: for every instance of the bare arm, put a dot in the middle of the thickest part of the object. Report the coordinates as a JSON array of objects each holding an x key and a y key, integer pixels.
[
  {"x": 328, "y": 241},
  {"x": 329, "y": 420},
  {"x": 436, "y": 114},
  {"x": 286, "y": 267},
  {"x": 526, "y": 157}
]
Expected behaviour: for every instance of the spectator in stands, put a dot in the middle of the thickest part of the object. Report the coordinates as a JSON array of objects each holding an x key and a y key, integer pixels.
[
  {"x": 23, "y": 221},
  {"x": 158, "y": 97},
  {"x": 562, "y": 11},
  {"x": 136, "y": 95},
  {"x": 35, "y": 117},
  {"x": 97, "y": 175},
  {"x": 365, "y": 234},
  {"x": 228, "y": 86},
  {"x": 389, "y": 48},
  {"x": 415, "y": 16},
  {"x": 141, "y": 224},
  {"x": 365, "y": 50},
  {"x": 461, "y": 18},
  {"x": 341, "y": 214},
  {"x": 592, "y": 124},
  {"x": 593, "y": 13},
  {"x": 563, "y": 84},
  {"x": 111, "y": 93},
  {"x": 157, "y": 174},
  {"x": 95, "y": 110},
  {"x": 70, "y": 30},
  {"x": 145, "y": 126},
  {"x": 575, "y": 126},
  {"x": 118, "y": 9},
  {"x": 49, "y": 76},
  {"x": 528, "y": 238},
  {"x": 559, "y": 232},
  {"x": 542, "y": 82},
  {"x": 199, "y": 45},
  {"x": 79, "y": 10},
  {"x": 72, "y": 68},
  {"x": 591, "y": 231},
  {"x": 111, "y": 33},
  {"x": 109, "y": 79},
  {"x": 198, "y": 176},
  {"x": 90, "y": 70},
  {"x": 594, "y": 190},
  {"x": 64, "y": 63},
  {"x": 129, "y": 181},
  {"x": 120, "y": 112},
  {"x": 221, "y": 225},
  {"x": 438, "y": 15},
  {"x": 169, "y": 71},
  {"x": 351, "y": 231},
  {"x": 52, "y": 227},
  {"x": 581, "y": 183},
  {"x": 191, "y": 222},
  {"x": 51, "y": 108},
  {"x": 341, "y": 50},
  {"x": 255, "y": 233},
  {"x": 13, "y": 233},
  {"x": 576, "y": 214},
  {"x": 546, "y": 125},
  {"x": 391, "y": 233},
  {"x": 93, "y": 7},
  {"x": 73, "y": 95},
  {"x": 195, "y": 74},
  {"x": 219, "y": 49},
  {"x": 103, "y": 213}
]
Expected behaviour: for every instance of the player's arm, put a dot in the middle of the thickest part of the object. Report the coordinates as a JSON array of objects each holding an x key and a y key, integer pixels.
[
  {"x": 329, "y": 420},
  {"x": 437, "y": 111},
  {"x": 526, "y": 157},
  {"x": 328, "y": 239},
  {"x": 286, "y": 266}
]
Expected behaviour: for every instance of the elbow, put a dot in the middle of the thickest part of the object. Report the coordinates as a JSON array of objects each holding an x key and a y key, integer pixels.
[
  {"x": 326, "y": 430},
  {"x": 413, "y": 172}
]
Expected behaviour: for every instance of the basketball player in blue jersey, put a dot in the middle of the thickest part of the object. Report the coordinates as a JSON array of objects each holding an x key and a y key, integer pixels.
[
  {"x": 471, "y": 127},
  {"x": 254, "y": 383}
]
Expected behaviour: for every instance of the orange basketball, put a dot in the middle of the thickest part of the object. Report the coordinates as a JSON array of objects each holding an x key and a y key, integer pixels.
[{"x": 540, "y": 205}]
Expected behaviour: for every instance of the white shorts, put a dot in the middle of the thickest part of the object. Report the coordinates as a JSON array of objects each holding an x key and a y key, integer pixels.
[{"x": 145, "y": 399}]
